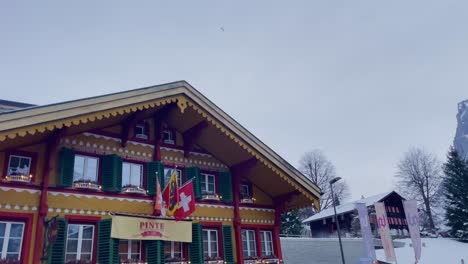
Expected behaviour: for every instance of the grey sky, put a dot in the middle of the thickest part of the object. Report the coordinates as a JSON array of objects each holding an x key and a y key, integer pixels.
[{"x": 361, "y": 80}]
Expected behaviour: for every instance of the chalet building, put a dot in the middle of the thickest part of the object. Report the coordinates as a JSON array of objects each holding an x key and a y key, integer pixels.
[
  {"x": 323, "y": 224},
  {"x": 75, "y": 176}
]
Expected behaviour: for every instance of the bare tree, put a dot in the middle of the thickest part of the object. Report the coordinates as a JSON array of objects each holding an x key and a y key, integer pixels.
[
  {"x": 320, "y": 170},
  {"x": 420, "y": 177}
]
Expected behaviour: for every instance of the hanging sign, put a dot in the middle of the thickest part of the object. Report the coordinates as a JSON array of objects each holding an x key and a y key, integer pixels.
[
  {"x": 412, "y": 218},
  {"x": 384, "y": 231},
  {"x": 138, "y": 228}
]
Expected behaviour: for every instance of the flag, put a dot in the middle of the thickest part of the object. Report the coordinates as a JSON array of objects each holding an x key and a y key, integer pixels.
[
  {"x": 158, "y": 199},
  {"x": 187, "y": 201},
  {"x": 366, "y": 232},
  {"x": 411, "y": 212},
  {"x": 171, "y": 194},
  {"x": 384, "y": 231}
]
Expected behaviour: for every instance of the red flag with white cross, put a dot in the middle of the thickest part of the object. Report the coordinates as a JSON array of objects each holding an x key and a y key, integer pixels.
[{"x": 186, "y": 201}]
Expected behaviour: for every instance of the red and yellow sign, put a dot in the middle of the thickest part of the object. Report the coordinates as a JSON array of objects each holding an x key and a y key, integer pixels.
[{"x": 125, "y": 227}]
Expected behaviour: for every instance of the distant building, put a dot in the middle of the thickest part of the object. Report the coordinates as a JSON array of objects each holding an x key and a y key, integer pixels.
[
  {"x": 323, "y": 224},
  {"x": 6, "y": 106},
  {"x": 460, "y": 142}
]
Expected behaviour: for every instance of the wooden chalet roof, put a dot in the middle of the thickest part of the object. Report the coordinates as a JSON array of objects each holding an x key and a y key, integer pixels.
[{"x": 36, "y": 123}]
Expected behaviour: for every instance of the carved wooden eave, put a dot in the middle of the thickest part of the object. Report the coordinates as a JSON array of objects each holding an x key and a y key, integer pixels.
[{"x": 45, "y": 119}]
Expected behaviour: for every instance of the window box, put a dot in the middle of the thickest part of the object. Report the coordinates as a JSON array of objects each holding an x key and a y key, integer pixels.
[
  {"x": 87, "y": 184},
  {"x": 252, "y": 261},
  {"x": 176, "y": 260},
  {"x": 214, "y": 260},
  {"x": 141, "y": 136},
  {"x": 18, "y": 178},
  {"x": 210, "y": 196},
  {"x": 271, "y": 259},
  {"x": 9, "y": 261},
  {"x": 247, "y": 200},
  {"x": 133, "y": 262},
  {"x": 83, "y": 261},
  {"x": 133, "y": 189}
]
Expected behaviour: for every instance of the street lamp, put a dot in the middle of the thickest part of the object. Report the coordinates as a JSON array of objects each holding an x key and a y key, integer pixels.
[{"x": 336, "y": 218}]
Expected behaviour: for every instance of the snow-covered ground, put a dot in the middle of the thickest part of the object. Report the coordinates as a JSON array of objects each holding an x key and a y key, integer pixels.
[{"x": 434, "y": 251}]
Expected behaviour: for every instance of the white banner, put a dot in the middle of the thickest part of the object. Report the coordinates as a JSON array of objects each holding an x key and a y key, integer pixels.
[
  {"x": 384, "y": 231},
  {"x": 412, "y": 218},
  {"x": 366, "y": 232}
]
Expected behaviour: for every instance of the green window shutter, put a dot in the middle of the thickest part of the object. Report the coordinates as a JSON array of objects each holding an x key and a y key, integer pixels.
[
  {"x": 57, "y": 250},
  {"x": 108, "y": 248},
  {"x": 154, "y": 168},
  {"x": 111, "y": 173},
  {"x": 154, "y": 251},
  {"x": 196, "y": 247},
  {"x": 225, "y": 186},
  {"x": 66, "y": 166},
  {"x": 194, "y": 173},
  {"x": 227, "y": 245}
]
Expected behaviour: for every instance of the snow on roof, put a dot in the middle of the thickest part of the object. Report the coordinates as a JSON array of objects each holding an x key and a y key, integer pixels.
[{"x": 348, "y": 207}]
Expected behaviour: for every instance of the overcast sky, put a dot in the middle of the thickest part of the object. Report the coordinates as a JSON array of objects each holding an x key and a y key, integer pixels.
[{"x": 361, "y": 80}]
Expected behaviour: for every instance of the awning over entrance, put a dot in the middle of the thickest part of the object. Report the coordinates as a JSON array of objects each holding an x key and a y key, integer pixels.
[{"x": 125, "y": 227}]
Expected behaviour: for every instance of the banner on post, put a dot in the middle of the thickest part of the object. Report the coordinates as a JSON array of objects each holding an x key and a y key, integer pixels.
[
  {"x": 412, "y": 218},
  {"x": 384, "y": 231},
  {"x": 366, "y": 232}
]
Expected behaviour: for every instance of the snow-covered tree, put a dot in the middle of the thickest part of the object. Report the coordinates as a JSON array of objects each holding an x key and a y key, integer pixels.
[
  {"x": 456, "y": 186},
  {"x": 420, "y": 177},
  {"x": 291, "y": 223}
]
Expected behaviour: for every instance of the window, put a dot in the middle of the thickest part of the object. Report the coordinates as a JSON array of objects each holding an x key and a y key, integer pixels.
[
  {"x": 207, "y": 182},
  {"x": 245, "y": 191},
  {"x": 210, "y": 243},
  {"x": 19, "y": 165},
  {"x": 140, "y": 131},
  {"x": 86, "y": 168},
  {"x": 132, "y": 174},
  {"x": 79, "y": 242},
  {"x": 168, "y": 136},
  {"x": 129, "y": 250},
  {"x": 11, "y": 238},
  {"x": 248, "y": 243},
  {"x": 168, "y": 174},
  {"x": 173, "y": 250},
  {"x": 267, "y": 243}
]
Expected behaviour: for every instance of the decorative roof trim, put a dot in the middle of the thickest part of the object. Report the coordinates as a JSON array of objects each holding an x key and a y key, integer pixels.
[
  {"x": 100, "y": 197},
  {"x": 4, "y": 188}
]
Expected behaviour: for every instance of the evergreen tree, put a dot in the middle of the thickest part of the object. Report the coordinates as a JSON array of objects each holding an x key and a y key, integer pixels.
[
  {"x": 291, "y": 223},
  {"x": 456, "y": 186}
]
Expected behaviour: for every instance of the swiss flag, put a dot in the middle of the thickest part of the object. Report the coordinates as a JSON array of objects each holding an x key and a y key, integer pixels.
[{"x": 186, "y": 202}]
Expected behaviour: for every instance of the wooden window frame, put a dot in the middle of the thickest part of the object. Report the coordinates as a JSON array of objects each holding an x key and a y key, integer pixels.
[
  {"x": 27, "y": 219},
  {"x": 32, "y": 155},
  {"x": 129, "y": 246}
]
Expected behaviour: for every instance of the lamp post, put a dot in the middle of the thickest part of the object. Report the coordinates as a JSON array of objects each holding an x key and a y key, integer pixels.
[{"x": 336, "y": 218}]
